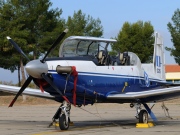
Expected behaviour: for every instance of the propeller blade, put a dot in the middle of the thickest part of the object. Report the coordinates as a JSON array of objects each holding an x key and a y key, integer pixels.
[
  {"x": 17, "y": 47},
  {"x": 45, "y": 77},
  {"x": 55, "y": 43},
  {"x": 27, "y": 82}
]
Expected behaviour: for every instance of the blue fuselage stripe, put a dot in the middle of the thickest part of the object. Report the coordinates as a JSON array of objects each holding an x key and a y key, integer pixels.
[{"x": 105, "y": 83}]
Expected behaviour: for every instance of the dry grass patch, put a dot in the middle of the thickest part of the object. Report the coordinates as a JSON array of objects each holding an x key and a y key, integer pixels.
[{"x": 5, "y": 101}]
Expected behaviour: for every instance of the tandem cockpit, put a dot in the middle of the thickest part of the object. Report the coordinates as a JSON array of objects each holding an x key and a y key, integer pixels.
[{"x": 96, "y": 50}]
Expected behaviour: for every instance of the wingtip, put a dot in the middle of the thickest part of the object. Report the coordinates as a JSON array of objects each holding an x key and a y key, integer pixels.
[{"x": 8, "y": 37}]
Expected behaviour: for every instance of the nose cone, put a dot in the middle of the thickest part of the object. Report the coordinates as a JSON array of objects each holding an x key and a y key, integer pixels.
[{"x": 35, "y": 68}]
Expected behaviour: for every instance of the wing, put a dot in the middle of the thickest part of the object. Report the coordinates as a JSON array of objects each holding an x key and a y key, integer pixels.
[
  {"x": 146, "y": 96},
  {"x": 27, "y": 91}
]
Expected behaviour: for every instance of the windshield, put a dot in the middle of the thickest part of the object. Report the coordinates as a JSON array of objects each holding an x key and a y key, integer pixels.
[
  {"x": 80, "y": 48},
  {"x": 87, "y": 48},
  {"x": 69, "y": 48}
]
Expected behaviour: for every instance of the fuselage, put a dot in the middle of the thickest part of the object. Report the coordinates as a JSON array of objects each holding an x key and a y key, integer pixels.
[{"x": 94, "y": 82}]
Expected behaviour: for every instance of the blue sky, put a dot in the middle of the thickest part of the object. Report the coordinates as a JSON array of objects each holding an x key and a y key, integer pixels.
[{"x": 113, "y": 14}]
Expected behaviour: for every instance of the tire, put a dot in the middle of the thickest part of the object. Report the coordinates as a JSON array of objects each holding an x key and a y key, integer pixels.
[
  {"x": 62, "y": 122},
  {"x": 143, "y": 116}
]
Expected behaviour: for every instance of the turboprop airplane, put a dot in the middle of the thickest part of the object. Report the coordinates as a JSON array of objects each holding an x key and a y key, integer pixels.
[{"x": 85, "y": 73}]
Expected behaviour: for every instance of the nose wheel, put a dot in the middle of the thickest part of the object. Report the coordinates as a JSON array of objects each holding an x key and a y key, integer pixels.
[
  {"x": 64, "y": 116},
  {"x": 63, "y": 123}
]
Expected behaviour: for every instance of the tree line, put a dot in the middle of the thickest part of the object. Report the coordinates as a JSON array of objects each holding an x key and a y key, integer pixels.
[{"x": 34, "y": 25}]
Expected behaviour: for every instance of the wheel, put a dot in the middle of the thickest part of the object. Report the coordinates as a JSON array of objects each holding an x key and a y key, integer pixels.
[
  {"x": 131, "y": 105},
  {"x": 63, "y": 125},
  {"x": 143, "y": 116}
]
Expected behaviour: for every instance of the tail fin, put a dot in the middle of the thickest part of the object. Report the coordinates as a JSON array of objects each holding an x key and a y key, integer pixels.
[{"x": 158, "y": 58}]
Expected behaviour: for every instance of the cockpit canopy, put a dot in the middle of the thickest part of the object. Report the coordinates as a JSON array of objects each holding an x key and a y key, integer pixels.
[{"x": 81, "y": 46}]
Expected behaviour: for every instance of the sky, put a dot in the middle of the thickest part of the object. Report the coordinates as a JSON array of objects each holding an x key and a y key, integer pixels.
[{"x": 113, "y": 14}]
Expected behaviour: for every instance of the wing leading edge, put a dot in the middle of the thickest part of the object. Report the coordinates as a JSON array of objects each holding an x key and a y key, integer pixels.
[
  {"x": 147, "y": 96},
  {"x": 28, "y": 91}
]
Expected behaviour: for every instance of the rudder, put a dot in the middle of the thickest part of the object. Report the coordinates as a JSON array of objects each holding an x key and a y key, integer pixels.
[{"x": 158, "y": 57}]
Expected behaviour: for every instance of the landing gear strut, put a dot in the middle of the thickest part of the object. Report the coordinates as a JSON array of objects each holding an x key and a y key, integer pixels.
[
  {"x": 63, "y": 113},
  {"x": 141, "y": 114}
]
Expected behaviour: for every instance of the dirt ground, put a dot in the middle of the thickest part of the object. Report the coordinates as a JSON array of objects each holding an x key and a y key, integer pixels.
[{"x": 29, "y": 100}]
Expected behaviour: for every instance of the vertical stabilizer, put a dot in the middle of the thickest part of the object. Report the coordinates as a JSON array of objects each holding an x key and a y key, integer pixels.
[{"x": 158, "y": 58}]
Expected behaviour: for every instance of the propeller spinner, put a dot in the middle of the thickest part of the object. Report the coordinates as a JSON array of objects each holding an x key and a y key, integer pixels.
[{"x": 35, "y": 68}]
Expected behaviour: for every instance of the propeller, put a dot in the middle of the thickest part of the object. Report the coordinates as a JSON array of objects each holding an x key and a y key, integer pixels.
[
  {"x": 46, "y": 77},
  {"x": 21, "y": 90},
  {"x": 55, "y": 44},
  {"x": 37, "y": 68},
  {"x": 17, "y": 48}
]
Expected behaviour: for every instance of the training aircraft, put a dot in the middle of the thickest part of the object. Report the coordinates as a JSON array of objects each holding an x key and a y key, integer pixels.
[{"x": 85, "y": 73}]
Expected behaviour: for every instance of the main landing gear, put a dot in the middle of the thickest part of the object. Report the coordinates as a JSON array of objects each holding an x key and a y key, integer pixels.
[
  {"x": 141, "y": 114},
  {"x": 63, "y": 113}
]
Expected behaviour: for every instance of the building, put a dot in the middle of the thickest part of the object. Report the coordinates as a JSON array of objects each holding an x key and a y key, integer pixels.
[{"x": 172, "y": 73}]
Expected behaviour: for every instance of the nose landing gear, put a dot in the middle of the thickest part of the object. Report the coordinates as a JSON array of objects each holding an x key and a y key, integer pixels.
[
  {"x": 64, "y": 117},
  {"x": 63, "y": 113}
]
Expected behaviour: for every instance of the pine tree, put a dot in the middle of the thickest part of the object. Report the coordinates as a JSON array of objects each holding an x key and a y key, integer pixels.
[
  {"x": 174, "y": 29},
  {"x": 136, "y": 37}
]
